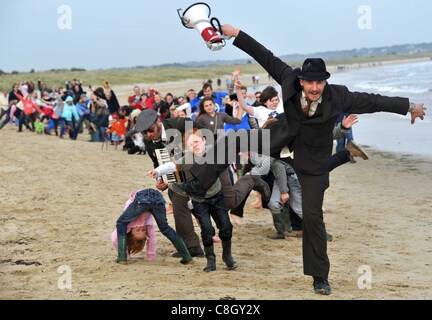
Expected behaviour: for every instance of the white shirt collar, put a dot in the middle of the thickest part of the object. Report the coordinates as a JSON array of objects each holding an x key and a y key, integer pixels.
[{"x": 313, "y": 106}]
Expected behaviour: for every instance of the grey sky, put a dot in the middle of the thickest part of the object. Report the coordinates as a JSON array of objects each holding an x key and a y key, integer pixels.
[{"x": 128, "y": 33}]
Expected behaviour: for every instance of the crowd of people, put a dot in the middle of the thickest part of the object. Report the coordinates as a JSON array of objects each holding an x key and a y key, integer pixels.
[{"x": 291, "y": 185}]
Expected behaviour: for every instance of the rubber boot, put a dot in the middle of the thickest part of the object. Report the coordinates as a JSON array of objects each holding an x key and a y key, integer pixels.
[
  {"x": 211, "y": 259},
  {"x": 226, "y": 255},
  {"x": 286, "y": 219},
  {"x": 278, "y": 223},
  {"x": 182, "y": 249},
  {"x": 121, "y": 248}
]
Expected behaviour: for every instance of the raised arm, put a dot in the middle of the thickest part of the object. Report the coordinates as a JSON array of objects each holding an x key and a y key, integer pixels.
[
  {"x": 241, "y": 100},
  {"x": 277, "y": 69},
  {"x": 234, "y": 77},
  {"x": 20, "y": 97}
]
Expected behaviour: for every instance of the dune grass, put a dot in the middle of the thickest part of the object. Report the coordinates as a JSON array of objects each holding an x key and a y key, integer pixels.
[{"x": 153, "y": 75}]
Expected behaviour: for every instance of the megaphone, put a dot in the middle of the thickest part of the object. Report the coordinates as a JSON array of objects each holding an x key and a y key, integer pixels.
[{"x": 197, "y": 16}]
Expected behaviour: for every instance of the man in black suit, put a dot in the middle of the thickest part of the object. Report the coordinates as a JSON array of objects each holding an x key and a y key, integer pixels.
[{"x": 311, "y": 107}]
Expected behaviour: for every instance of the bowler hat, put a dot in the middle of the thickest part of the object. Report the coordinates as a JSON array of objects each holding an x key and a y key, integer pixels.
[
  {"x": 314, "y": 69},
  {"x": 146, "y": 119}
]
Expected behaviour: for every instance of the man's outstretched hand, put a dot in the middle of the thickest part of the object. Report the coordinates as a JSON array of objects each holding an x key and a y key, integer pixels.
[
  {"x": 418, "y": 112},
  {"x": 230, "y": 31}
]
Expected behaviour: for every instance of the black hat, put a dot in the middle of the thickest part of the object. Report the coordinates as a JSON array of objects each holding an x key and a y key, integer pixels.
[
  {"x": 314, "y": 69},
  {"x": 146, "y": 119}
]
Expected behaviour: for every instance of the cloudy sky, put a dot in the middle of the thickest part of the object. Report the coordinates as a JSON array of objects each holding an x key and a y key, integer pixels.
[{"x": 104, "y": 34}]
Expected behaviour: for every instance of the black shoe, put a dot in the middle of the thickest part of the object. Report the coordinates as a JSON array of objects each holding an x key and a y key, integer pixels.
[
  {"x": 355, "y": 150},
  {"x": 329, "y": 237},
  {"x": 321, "y": 286},
  {"x": 262, "y": 187},
  {"x": 191, "y": 188},
  {"x": 133, "y": 150}
]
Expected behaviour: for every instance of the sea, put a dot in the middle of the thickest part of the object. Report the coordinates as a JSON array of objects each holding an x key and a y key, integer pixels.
[{"x": 388, "y": 131}]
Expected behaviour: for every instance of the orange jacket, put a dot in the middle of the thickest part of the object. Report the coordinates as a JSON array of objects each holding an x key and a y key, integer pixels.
[{"x": 119, "y": 127}]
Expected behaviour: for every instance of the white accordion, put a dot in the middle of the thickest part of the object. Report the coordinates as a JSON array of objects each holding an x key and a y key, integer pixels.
[{"x": 163, "y": 157}]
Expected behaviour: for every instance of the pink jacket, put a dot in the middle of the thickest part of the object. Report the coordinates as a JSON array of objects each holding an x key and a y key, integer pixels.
[{"x": 145, "y": 219}]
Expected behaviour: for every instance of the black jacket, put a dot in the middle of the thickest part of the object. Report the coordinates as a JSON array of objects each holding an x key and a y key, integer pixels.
[{"x": 311, "y": 138}]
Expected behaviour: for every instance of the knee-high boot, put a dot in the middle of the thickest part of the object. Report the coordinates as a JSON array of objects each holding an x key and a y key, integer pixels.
[
  {"x": 211, "y": 259},
  {"x": 226, "y": 255},
  {"x": 286, "y": 219},
  {"x": 279, "y": 225},
  {"x": 182, "y": 249},
  {"x": 121, "y": 250}
]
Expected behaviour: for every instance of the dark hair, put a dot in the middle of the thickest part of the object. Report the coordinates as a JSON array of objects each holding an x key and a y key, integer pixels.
[
  {"x": 207, "y": 85},
  {"x": 267, "y": 94},
  {"x": 127, "y": 110},
  {"x": 201, "y": 105}
]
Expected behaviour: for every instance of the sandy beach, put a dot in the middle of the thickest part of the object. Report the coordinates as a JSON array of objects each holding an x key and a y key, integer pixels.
[{"x": 61, "y": 198}]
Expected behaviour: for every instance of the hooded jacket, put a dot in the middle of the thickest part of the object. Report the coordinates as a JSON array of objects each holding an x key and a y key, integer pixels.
[{"x": 69, "y": 110}]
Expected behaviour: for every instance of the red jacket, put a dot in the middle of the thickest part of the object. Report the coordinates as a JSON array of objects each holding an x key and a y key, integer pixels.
[{"x": 119, "y": 127}]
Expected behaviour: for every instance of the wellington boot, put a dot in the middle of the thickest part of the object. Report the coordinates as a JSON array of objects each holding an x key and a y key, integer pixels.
[
  {"x": 211, "y": 259},
  {"x": 182, "y": 249}
]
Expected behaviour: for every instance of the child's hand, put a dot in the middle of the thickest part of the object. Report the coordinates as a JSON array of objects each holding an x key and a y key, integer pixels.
[
  {"x": 152, "y": 173},
  {"x": 284, "y": 197}
]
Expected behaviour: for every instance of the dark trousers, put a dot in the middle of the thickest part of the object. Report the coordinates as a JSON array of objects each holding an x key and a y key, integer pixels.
[
  {"x": 26, "y": 120},
  {"x": 183, "y": 221},
  {"x": 83, "y": 117},
  {"x": 338, "y": 159},
  {"x": 213, "y": 207},
  {"x": 16, "y": 114},
  {"x": 235, "y": 194},
  {"x": 315, "y": 259},
  {"x": 2, "y": 113}
]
